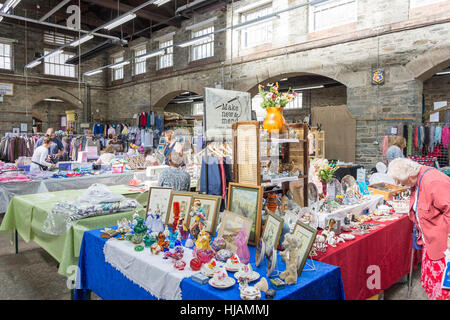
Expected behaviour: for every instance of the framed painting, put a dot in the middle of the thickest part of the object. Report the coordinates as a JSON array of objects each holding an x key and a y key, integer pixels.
[
  {"x": 210, "y": 205},
  {"x": 246, "y": 200},
  {"x": 272, "y": 232},
  {"x": 158, "y": 200},
  {"x": 185, "y": 201},
  {"x": 230, "y": 225},
  {"x": 306, "y": 235}
]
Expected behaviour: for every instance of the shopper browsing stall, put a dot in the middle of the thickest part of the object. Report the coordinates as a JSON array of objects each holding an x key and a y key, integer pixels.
[
  {"x": 107, "y": 156},
  {"x": 150, "y": 158},
  {"x": 56, "y": 149},
  {"x": 398, "y": 144},
  {"x": 40, "y": 156},
  {"x": 175, "y": 177},
  {"x": 171, "y": 145},
  {"x": 430, "y": 211},
  {"x": 116, "y": 144}
]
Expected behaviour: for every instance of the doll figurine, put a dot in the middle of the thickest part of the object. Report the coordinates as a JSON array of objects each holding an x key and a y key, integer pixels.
[
  {"x": 242, "y": 249},
  {"x": 189, "y": 243},
  {"x": 199, "y": 219},
  {"x": 162, "y": 242},
  {"x": 203, "y": 241},
  {"x": 154, "y": 223}
]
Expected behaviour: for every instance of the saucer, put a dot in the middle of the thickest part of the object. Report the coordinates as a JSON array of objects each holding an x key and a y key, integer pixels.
[
  {"x": 253, "y": 276},
  {"x": 228, "y": 282},
  {"x": 347, "y": 236},
  {"x": 207, "y": 271},
  {"x": 233, "y": 267}
]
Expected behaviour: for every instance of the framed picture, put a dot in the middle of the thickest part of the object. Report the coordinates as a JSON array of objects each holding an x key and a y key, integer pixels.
[
  {"x": 272, "y": 231},
  {"x": 210, "y": 205},
  {"x": 15, "y": 130},
  {"x": 158, "y": 199},
  {"x": 161, "y": 148},
  {"x": 185, "y": 200},
  {"x": 307, "y": 235},
  {"x": 246, "y": 200},
  {"x": 231, "y": 224}
]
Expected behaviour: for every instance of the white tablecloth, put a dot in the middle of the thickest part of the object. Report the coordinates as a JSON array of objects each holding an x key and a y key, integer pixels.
[{"x": 151, "y": 272}]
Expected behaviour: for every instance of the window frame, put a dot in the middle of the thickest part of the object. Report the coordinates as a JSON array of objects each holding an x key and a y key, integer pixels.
[
  {"x": 256, "y": 28},
  {"x": 194, "y": 105},
  {"x": 142, "y": 62},
  {"x": 11, "y": 57},
  {"x": 66, "y": 38},
  {"x": 211, "y": 42},
  {"x": 165, "y": 60},
  {"x": 115, "y": 70},
  {"x": 327, "y": 5},
  {"x": 52, "y": 65}
]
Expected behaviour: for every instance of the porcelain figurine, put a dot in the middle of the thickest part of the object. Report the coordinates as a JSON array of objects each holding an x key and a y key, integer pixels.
[
  {"x": 242, "y": 249},
  {"x": 162, "y": 242},
  {"x": 203, "y": 240},
  {"x": 199, "y": 219},
  {"x": 154, "y": 223},
  {"x": 189, "y": 243},
  {"x": 155, "y": 248},
  {"x": 290, "y": 256},
  {"x": 166, "y": 232}
]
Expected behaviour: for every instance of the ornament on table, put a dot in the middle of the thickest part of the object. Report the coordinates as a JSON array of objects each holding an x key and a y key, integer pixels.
[
  {"x": 176, "y": 215},
  {"x": 166, "y": 232},
  {"x": 176, "y": 254},
  {"x": 154, "y": 222},
  {"x": 292, "y": 247},
  {"x": 140, "y": 231},
  {"x": 250, "y": 293},
  {"x": 202, "y": 241},
  {"x": 155, "y": 248},
  {"x": 198, "y": 215},
  {"x": 233, "y": 264},
  {"x": 195, "y": 264},
  {"x": 178, "y": 241},
  {"x": 218, "y": 244},
  {"x": 123, "y": 226},
  {"x": 204, "y": 255},
  {"x": 189, "y": 243},
  {"x": 209, "y": 268},
  {"x": 182, "y": 228},
  {"x": 262, "y": 285},
  {"x": 223, "y": 255},
  {"x": 150, "y": 239},
  {"x": 180, "y": 265},
  {"x": 162, "y": 242},
  {"x": 242, "y": 249}
]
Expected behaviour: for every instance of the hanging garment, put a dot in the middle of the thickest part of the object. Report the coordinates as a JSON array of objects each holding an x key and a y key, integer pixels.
[
  {"x": 437, "y": 135},
  {"x": 222, "y": 176},
  {"x": 431, "y": 145},
  {"x": 385, "y": 145},
  {"x": 416, "y": 137},
  {"x": 426, "y": 136},
  {"x": 214, "y": 177},
  {"x": 445, "y": 137},
  {"x": 410, "y": 142}
]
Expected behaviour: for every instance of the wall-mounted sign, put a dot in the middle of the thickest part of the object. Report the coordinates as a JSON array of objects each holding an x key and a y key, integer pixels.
[
  {"x": 378, "y": 77},
  {"x": 222, "y": 108},
  {"x": 23, "y": 127},
  {"x": 6, "y": 89}
]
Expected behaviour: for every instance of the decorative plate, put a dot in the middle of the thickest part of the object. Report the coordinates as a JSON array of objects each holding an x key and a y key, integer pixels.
[
  {"x": 226, "y": 283},
  {"x": 313, "y": 193},
  {"x": 272, "y": 261},
  {"x": 334, "y": 188},
  {"x": 349, "y": 185},
  {"x": 253, "y": 276},
  {"x": 260, "y": 250},
  {"x": 208, "y": 271},
  {"x": 347, "y": 236},
  {"x": 233, "y": 267}
]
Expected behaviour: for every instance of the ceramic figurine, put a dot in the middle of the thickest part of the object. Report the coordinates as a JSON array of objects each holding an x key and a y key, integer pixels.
[
  {"x": 154, "y": 223},
  {"x": 166, "y": 232},
  {"x": 189, "y": 243},
  {"x": 242, "y": 249},
  {"x": 155, "y": 248},
  {"x": 199, "y": 219},
  {"x": 162, "y": 242},
  {"x": 290, "y": 256},
  {"x": 203, "y": 240}
]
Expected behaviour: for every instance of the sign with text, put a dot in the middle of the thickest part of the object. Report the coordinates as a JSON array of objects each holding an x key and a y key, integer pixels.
[
  {"x": 222, "y": 108},
  {"x": 6, "y": 89}
]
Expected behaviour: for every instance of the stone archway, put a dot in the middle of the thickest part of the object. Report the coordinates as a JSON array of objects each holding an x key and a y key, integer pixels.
[
  {"x": 164, "y": 100},
  {"x": 54, "y": 92},
  {"x": 425, "y": 66}
]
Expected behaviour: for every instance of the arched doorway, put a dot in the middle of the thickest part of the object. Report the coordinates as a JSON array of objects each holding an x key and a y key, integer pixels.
[{"x": 50, "y": 112}]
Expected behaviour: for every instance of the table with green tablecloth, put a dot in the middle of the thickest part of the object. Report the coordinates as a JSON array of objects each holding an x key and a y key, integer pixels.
[{"x": 26, "y": 215}]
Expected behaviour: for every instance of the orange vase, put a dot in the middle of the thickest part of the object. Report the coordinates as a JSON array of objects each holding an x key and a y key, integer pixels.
[{"x": 274, "y": 120}]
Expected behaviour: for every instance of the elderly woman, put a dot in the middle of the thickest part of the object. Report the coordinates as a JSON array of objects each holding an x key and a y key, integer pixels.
[
  {"x": 175, "y": 177},
  {"x": 430, "y": 212},
  {"x": 107, "y": 156},
  {"x": 396, "y": 149}
]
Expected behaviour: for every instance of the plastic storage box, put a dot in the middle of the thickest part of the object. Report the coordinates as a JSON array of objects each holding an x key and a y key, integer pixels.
[{"x": 117, "y": 168}]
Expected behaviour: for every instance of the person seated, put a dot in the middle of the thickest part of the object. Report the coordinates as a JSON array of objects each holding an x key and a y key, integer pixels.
[
  {"x": 117, "y": 144},
  {"x": 150, "y": 158},
  {"x": 107, "y": 156},
  {"x": 39, "y": 160},
  {"x": 175, "y": 177}
]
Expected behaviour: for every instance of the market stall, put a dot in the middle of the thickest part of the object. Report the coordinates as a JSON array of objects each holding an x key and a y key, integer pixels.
[
  {"x": 99, "y": 276},
  {"x": 27, "y": 214}
]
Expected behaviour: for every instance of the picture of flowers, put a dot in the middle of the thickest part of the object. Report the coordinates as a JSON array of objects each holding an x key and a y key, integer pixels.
[
  {"x": 230, "y": 226},
  {"x": 246, "y": 200}
]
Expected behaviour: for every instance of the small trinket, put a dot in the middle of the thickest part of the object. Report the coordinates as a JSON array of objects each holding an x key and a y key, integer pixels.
[
  {"x": 163, "y": 243},
  {"x": 155, "y": 248},
  {"x": 180, "y": 264},
  {"x": 270, "y": 294},
  {"x": 195, "y": 264},
  {"x": 139, "y": 248},
  {"x": 200, "y": 278},
  {"x": 218, "y": 244},
  {"x": 277, "y": 283},
  {"x": 203, "y": 240},
  {"x": 223, "y": 255},
  {"x": 204, "y": 255},
  {"x": 189, "y": 243},
  {"x": 250, "y": 293}
]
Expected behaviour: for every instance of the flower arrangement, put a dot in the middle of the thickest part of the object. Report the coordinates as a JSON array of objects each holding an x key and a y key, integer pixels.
[
  {"x": 324, "y": 171},
  {"x": 274, "y": 98}
]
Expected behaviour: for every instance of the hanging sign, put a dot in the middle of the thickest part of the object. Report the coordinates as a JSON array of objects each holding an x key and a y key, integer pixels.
[
  {"x": 73, "y": 21},
  {"x": 223, "y": 107},
  {"x": 6, "y": 89},
  {"x": 378, "y": 77}
]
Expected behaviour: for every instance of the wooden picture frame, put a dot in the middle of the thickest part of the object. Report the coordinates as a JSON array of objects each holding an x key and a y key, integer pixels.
[
  {"x": 243, "y": 202},
  {"x": 272, "y": 232},
  {"x": 211, "y": 214},
  {"x": 231, "y": 224},
  {"x": 159, "y": 197},
  {"x": 307, "y": 235},
  {"x": 246, "y": 164},
  {"x": 180, "y": 196}
]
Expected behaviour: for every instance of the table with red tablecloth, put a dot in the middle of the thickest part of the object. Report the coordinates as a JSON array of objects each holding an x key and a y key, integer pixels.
[{"x": 387, "y": 248}]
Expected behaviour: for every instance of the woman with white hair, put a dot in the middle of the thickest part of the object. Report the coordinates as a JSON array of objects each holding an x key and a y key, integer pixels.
[
  {"x": 430, "y": 212},
  {"x": 175, "y": 177}
]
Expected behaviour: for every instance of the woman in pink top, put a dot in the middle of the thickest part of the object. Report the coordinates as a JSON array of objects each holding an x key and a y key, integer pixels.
[{"x": 430, "y": 211}]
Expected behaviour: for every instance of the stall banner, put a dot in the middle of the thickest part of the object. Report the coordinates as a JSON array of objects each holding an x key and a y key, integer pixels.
[
  {"x": 222, "y": 108},
  {"x": 6, "y": 89}
]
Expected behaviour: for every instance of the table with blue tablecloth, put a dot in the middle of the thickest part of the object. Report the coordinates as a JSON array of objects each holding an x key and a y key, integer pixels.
[{"x": 98, "y": 276}]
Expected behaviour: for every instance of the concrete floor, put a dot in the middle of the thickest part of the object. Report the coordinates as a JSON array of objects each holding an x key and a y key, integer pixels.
[{"x": 32, "y": 274}]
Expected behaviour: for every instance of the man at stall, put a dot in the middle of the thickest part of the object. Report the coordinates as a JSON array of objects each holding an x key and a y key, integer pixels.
[
  {"x": 56, "y": 148},
  {"x": 174, "y": 176},
  {"x": 430, "y": 212}
]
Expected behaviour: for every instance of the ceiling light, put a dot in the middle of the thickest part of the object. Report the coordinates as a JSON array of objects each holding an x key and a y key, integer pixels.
[
  {"x": 308, "y": 88},
  {"x": 160, "y": 2},
  {"x": 91, "y": 73},
  {"x": 81, "y": 40},
  {"x": 33, "y": 64},
  {"x": 121, "y": 64},
  {"x": 120, "y": 21},
  {"x": 9, "y": 4},
  {"x": 194, "y": 41},
  {"x": 184, "y": 101},
  {"x": 54, "y": 100},
  {"x": 442, "y": 73},
  {"x": 256, "y": 21},
  {"x": 152, "y": 54},
  {"x": 284, "y": 79}
]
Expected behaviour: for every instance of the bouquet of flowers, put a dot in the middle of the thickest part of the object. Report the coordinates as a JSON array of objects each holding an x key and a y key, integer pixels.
[
  {"x": 274, "y": 98},
  {"x": 325, "y": 172}
]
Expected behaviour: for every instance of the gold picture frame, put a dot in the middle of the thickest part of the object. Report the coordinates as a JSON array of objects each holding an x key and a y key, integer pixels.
[
  {"x": 272, "y": 232},
  {"x": 159, "y": 197},
  {"x": 307, "y": 235},
  {"x": 231, "y": 224},
  {"x": 181, "y": 196},
  {"x": 246, "y": 200},
  {"x": 211, "y": 205}
]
